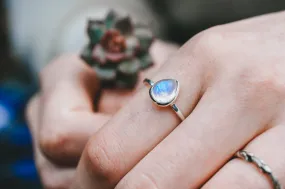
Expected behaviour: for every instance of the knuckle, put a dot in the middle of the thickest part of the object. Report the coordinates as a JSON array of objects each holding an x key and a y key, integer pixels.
[
  {"x": 103, "y": 164},
  {"x": 210, "y": 47},
  {"x": 212, "y": 41},
  {"x": 261, "y": 81},
  {"x": 56, "y": 142},
  {"x": 273, "y": 83}
]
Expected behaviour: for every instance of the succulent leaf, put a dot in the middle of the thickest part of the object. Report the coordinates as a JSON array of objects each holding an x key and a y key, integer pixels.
[
  {"x": 145, "y": 37},
  {"x": 118, "y": 50},
  {"x": 98, "y": 54},
  {"x": 146, "y": 61},
  {"x": 124, "y": 25},
  {"x": 105, "y": 73},
  {"x": 86, "y": 55},
  {"x": 132, "y": 46},
  {"x": 132, "y": 42},
  {"x": 95, "y": 31},
  {"x": 111, "y": 18},
  {"x": 115, "y": 57},
  {"x": 129, "y": 67}
]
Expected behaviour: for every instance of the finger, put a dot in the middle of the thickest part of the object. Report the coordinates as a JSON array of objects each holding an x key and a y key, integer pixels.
[
  {"x": 67, "y": 117},
  {"x": 71, "y": 76},
  {"x": 50, "y": 170},
  {"x": 112, "y": 100},
  {"x": 51, "y": 175},
  {"x": 208, "y": 138},
  {"x": 139, "y": 126},
  {"x": 239, "y": 174}
]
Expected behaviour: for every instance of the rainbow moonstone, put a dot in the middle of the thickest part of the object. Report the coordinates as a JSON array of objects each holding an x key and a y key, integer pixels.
[{"x": 165, "y": 91}]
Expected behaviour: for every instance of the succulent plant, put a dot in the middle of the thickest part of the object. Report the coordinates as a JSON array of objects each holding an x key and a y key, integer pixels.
[{"x": 118, "y": 50}]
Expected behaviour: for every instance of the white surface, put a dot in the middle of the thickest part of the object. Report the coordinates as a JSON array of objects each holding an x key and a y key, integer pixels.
[{"x": 42, "y": 29}]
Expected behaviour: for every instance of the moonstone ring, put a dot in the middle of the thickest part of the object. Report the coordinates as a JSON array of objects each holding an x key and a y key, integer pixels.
[{"x": 164, "y": 93}]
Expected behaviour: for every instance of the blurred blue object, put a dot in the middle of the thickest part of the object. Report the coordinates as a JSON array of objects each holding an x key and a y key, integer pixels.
[
  {"x": 22, "y": 170},
  {"x": 16, "y": 135},
  {"x": 25, "y": 169},
  {"x": 6, "y": 115},
  {"x": 14, "y": 95},
  {"x": 17, "y": 168},
  {"x": 15, "y": 142}
]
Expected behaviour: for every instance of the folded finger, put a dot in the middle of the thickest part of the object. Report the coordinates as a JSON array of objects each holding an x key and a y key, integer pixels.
[
  {"x": 67, "y": 118},
  {"x": 52, "y": 176},
  {"x": 239, "y": 174}
]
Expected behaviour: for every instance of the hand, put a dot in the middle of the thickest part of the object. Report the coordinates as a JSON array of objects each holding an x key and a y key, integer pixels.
[
  {"x": 61, "y": 116},
  {"x": 232, "y": 91}
]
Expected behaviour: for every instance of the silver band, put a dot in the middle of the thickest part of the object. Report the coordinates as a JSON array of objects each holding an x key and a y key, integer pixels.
[
  {"x": 173, "y": 106},
  {"x": 249, "y": 157},
  {"x": 148, "y": 81},
  {"x": 178, "y": 112}
]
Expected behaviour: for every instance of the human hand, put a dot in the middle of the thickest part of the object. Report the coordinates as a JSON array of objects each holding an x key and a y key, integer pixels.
[
  {"x": 61, "y": 116},
  {"x": 232, "y": 92}
]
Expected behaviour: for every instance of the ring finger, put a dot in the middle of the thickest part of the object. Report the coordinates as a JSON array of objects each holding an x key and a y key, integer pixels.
[{"x": 238, "y": 174}]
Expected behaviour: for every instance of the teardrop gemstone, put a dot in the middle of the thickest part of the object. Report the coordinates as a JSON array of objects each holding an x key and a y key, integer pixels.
[{"x": 164, "y": 91}]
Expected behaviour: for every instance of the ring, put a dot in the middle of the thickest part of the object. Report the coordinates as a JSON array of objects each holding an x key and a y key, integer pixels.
[
  {"x": 249, "y": 157},
  {"x": 164, "y": 93}
]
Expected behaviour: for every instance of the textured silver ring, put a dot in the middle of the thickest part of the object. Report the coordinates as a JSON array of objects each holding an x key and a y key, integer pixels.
[
  {"x": 164, "y": 94},
  {"x": 249, "y": 157}
]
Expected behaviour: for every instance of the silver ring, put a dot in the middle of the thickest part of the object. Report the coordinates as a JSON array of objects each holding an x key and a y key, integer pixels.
[
  {"x": 164, "y": 93},
  {"x": 249, "y": 157}
]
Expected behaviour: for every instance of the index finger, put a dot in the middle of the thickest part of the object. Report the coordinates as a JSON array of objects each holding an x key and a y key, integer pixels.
[{"x": 67, "y": 119}]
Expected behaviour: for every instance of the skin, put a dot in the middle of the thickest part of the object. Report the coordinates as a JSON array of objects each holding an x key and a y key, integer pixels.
[
  {"x": 61, "y": 116},
  {"x": 232, "y": 81}
]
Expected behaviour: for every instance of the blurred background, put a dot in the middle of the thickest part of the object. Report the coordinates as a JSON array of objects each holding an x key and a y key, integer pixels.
[{"x": 33, "y": 32}]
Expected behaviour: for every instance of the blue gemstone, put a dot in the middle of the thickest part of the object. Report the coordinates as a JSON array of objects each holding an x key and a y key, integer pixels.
[
  {"x": 164, "y": 91},
  {"x": 164, "y": 87}
]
